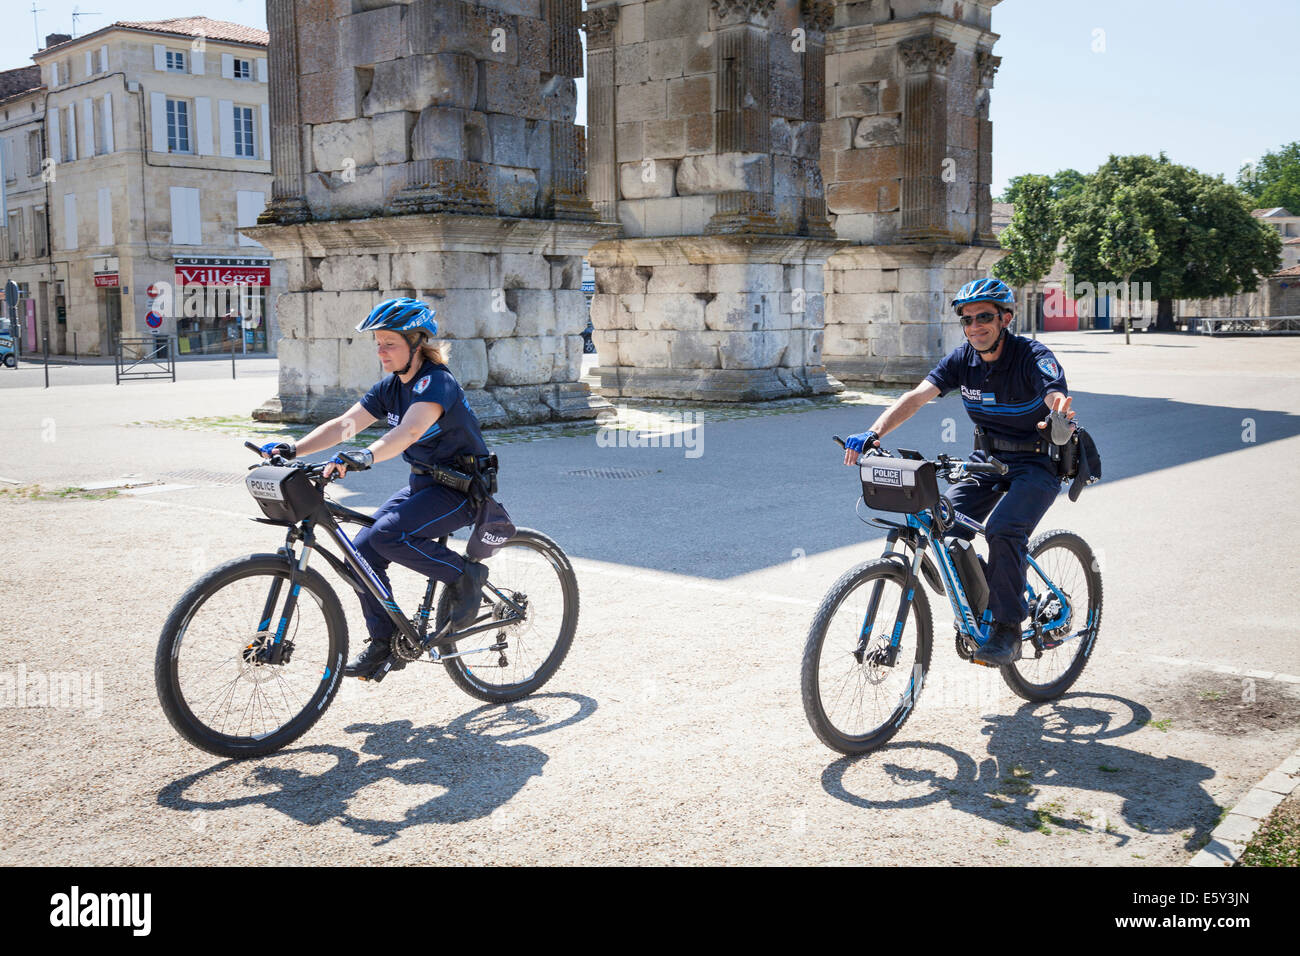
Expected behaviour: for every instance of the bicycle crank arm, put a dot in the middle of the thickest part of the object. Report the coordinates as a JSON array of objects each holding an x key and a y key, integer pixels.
[{"x": 474, "y": 650}]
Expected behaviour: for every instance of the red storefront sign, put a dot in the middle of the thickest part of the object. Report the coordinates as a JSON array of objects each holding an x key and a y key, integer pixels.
[
  {"x": 104, "y": 280},
  {"x": 223, "y": 275}
]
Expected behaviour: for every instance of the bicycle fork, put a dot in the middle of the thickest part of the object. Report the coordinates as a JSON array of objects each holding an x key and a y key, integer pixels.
[{"x": 887, "y": 656}]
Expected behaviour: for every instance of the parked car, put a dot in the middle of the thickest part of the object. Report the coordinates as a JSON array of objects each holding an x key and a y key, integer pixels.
[{"x": 7, "y": 354}]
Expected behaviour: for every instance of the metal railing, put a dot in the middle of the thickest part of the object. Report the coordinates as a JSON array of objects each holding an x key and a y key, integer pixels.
[
  {"x": 1245, "y": 325},
  {"x": 149, "y": 357}
]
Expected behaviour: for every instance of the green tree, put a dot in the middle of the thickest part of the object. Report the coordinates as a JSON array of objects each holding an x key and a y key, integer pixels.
[
  {"x": 1208, "y": 242},
  {"x": 1064, "y": 183},
  {"x": 1030, "y": 239},
  {"x": 1127, "y": 242},
  {"x": 1274, "y": 180}
]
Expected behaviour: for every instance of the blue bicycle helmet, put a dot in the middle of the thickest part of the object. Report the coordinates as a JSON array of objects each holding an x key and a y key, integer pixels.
[
  {"x": 411, "y": 318},
  {"x": 984, "y": 290},
  {"x": 400, "y": 315}
]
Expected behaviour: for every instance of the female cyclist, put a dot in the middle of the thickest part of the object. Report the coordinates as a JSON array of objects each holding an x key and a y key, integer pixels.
[{"x": 431, "y": 424}]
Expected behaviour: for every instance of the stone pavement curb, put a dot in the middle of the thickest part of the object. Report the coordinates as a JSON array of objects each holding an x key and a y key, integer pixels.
[{"x": 1229, "y": 838}]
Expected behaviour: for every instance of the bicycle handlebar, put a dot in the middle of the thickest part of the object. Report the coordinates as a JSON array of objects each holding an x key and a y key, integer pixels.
[
  {"x": 950, "y": 466},
  {"x": 315, "y": 471}
]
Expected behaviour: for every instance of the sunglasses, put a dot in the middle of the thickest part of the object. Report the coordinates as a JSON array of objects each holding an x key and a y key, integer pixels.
[{"x": 983, "y": 318}]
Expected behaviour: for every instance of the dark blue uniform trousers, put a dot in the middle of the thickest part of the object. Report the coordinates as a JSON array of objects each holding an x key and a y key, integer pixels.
[
  {"x": 404, "y": 531},
  {"x": 1031, "y": 486}
]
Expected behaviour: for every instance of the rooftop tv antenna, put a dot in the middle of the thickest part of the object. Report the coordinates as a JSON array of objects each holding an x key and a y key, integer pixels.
[
  {"x": 35, "y": 25},
  {"x": 77, "y": 12}
]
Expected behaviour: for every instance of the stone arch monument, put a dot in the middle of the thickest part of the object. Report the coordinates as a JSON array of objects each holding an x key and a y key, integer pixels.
[{"x": 767, "y": 190}]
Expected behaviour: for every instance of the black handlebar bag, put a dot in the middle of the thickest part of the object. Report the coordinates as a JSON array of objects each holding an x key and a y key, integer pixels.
[
  {"x": 284, "y": 494},
  {"x": 899, "y": 484}
]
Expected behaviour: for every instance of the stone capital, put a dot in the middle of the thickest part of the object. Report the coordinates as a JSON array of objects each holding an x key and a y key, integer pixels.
[
  {"x": 817, "y": 14},
  {"x": 742, "y": 11},
  {"x": 928, "y": 54},
  {"x": 986, "y": 65},
  {"x": 599, "y": 24}
]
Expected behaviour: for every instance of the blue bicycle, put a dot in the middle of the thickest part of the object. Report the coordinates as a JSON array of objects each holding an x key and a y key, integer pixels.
[{"x": 868, "y": 650}]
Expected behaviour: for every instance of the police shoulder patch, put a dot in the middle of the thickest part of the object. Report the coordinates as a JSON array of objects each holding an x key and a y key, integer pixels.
[
  {"x": 1048, "y": 367},
  {"x": 422, "y": 384}
]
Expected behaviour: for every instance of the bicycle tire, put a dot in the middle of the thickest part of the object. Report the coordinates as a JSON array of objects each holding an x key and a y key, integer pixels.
[
  {"x": 474, "y": 680},
  {"x": 815, "y": 705},
  {"x": 204, "y": 622},
  {"x": 1021, "y": 676}
]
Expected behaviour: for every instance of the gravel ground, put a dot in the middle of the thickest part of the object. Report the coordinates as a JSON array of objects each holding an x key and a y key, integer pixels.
[{"x": 674, "y": 732}]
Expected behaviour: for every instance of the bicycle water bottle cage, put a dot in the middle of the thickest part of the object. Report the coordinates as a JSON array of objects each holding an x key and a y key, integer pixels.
[
  {"x": 900, "y": 485},
  {"x": 283, "y": 493}
]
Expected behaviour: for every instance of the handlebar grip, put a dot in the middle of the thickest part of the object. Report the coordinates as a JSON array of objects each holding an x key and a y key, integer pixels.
[
  {"x": 839, "y": 441},
  {"x": 1001, "y": 468},
  {"x": 990, "y": 467},
  {"x": 251, "y": 447}
]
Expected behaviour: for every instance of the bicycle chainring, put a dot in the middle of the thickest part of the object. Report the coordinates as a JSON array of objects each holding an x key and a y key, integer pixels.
[{"x": 404, "y": 650}]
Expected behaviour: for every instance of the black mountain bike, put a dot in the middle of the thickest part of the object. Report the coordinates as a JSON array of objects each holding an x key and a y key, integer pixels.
[
  {"x": 253, "y": 652},
  {"x": 868, "y": 650}
]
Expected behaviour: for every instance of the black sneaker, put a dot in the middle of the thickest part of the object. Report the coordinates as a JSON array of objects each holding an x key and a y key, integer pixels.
[
  {"x": 466, "y": 593},
  {"x": 368, "y": 661},
  {"x": 1002, "y": 648}
]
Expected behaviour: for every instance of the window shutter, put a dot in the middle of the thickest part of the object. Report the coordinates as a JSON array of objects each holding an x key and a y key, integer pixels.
[
  {"x": 203, "y": 124},
  {"x": 108, "y": 122},
  {"x": 69, "y": 221},
  {"x": 90, "y": 67},
  {"x": 158, "y": 107},
  {"x": 88, "y": 126},
  {"x": 264, "y": 147},
  {"x": 55, "y": 146},
  {"x": 72, "y": 131},
  {"x": 226, "y": 120},
  {"x": 159, "y": 57},
  {"x": 261, "y": 69},
  {"x": 105, "y": 216},
  {"x": 196, "y": 62},
  {"x": 54, "y": 75},
  {"x": 103, "y": 58},
  {"x": 227, "y": 66}
]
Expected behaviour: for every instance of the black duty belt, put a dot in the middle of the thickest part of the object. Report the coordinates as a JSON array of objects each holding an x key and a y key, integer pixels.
[
  {"x": 990, "y": 443},
  {"x": 478, "y": 479}
]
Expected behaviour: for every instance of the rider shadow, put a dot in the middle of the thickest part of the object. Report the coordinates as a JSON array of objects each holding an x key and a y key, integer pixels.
[
  {"x": 1061, "y": 744},
  {"x": 471, "y": 759}
]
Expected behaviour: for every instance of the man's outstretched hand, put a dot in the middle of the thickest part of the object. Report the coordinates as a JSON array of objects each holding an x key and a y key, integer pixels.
[{"x": 1057, "y": 424}]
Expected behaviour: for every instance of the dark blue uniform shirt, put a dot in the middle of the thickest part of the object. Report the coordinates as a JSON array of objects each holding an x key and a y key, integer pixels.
[
  {"x": 456, "y": 432},
  {"x": 1006, "y": 397}
]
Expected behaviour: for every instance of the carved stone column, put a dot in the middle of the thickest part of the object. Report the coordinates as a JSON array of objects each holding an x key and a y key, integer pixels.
[
  {"x": 986, "y": 65},
  {"x": 287, "y": 203},
  {"x": 925, "y": 139}
]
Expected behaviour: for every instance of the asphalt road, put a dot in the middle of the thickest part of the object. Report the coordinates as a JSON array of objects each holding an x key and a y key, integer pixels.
[{"x": 674, "y": 732}]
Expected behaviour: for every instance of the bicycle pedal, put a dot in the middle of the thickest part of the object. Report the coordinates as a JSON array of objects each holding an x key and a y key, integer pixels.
[{"x": 985, "y": 664}]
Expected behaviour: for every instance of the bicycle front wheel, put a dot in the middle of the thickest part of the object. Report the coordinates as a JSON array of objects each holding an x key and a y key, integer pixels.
[
  {"x": 857, "y": 693},
  {"x": 532, "y": 571},
  {"x": 1068, "y": 563},
  {"x": 222, "y": 682}
]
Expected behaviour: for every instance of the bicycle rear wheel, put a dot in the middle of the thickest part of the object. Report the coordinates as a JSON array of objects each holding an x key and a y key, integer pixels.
[
  {"x": 1068, "y": 562},
  {"x": 854, "y": 698},
  {"x": 531, "y": 570},
  {"x": 215, "y": 682}
]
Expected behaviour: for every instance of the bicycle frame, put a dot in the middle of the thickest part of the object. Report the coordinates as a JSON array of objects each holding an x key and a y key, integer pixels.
[
  {"x": 352, "y": 567},
  {"x": 919, "y": 535}
]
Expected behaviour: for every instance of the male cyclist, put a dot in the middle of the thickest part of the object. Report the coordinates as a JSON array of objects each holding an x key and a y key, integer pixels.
[
  {"x": 431, "y": 424},
  {"x": 1008, "y": 383}
]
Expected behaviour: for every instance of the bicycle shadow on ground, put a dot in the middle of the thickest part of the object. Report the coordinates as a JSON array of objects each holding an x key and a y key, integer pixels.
[
  {"x": 1058, "y": 744},
  {"x": 473, "y": 760}
]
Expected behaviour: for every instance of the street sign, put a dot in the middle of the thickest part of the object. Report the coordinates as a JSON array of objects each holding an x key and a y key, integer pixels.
[
  {"x": 11, "y": 295},
  {"x": 153, "y": 320}
]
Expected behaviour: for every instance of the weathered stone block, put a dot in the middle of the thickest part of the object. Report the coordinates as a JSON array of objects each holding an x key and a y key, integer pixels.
[
  {"x": 665, "y": 138},
  {"x": 568, "y": 359},
  {"x": 534, "y": 39},
  {"x": 693, "y": 350},
  {"x": 663, "y": 217},
  {"x": 667, "y": 312},
  {"x": 631, "y": 63},
  {"x": 630, "y": 142},
  {"x": 291, "y": 313},
  {"x": 566, "y": 272},
  {"x": 521, "y": 403},
  {"x": 743, "y": 350},
  {"x": 356, "y": 195},
  {"x": 781, "y": 138},
  {"x": 328, "y": 96},
  {"x": 570, "y": 311},
  {"x": 644, "y": 349},
  {"x": 690, "y": 95},
  {"x": 318, "y": 45},
  {"x": 734, "y": 311},
  {"x": 686, "y": 279},
  {"x": 621, "y": 280},
  {"x": 700, "y": 54},
  {"x": 920, "y": 306},
  {"x": 857, "y": 99},
  {"x": 667, "y": 59},
  {"x": 699, "y": 133},
  {"x": 390, "y": 137},
  {"x": 470, "y": 313},
  {"x": 521, "y": 361},
  {"x": 560, "y": 99},
  {"x": 514, "y": 191},
  {"x": 877, "y": 164},
  {"x": 439, "y": 133},
  {"x": 877, "y": 131},
  {"x": 349, "y": 273},
  {"x": 696, "y": 211},
  {"x": 372, "y": 36},
  {"x": 468, "y": 362},
  {"x": 534, "y": 311},
  {"x": 642, "y": 101},
  {"x": 334, "y": 315},
  {"x": 921, "y": 340},
  {"x": 440, "y": 270},
  {"x": 885, "y": 341},
  {"x": 852, "y": 197},
  {"x": 837, "y": 134},
  {"x": 745, "y": 277},
  {"x": 520, "y": 270},
  {"x": 631, "y": 24},
  {"x": 667, "y": 19},
  {"x": 647, "y": 180},
  {"x": 722, "y": 173},
  {"x": 513, "y": 89},
  {"x": 414, "y": 83}
]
